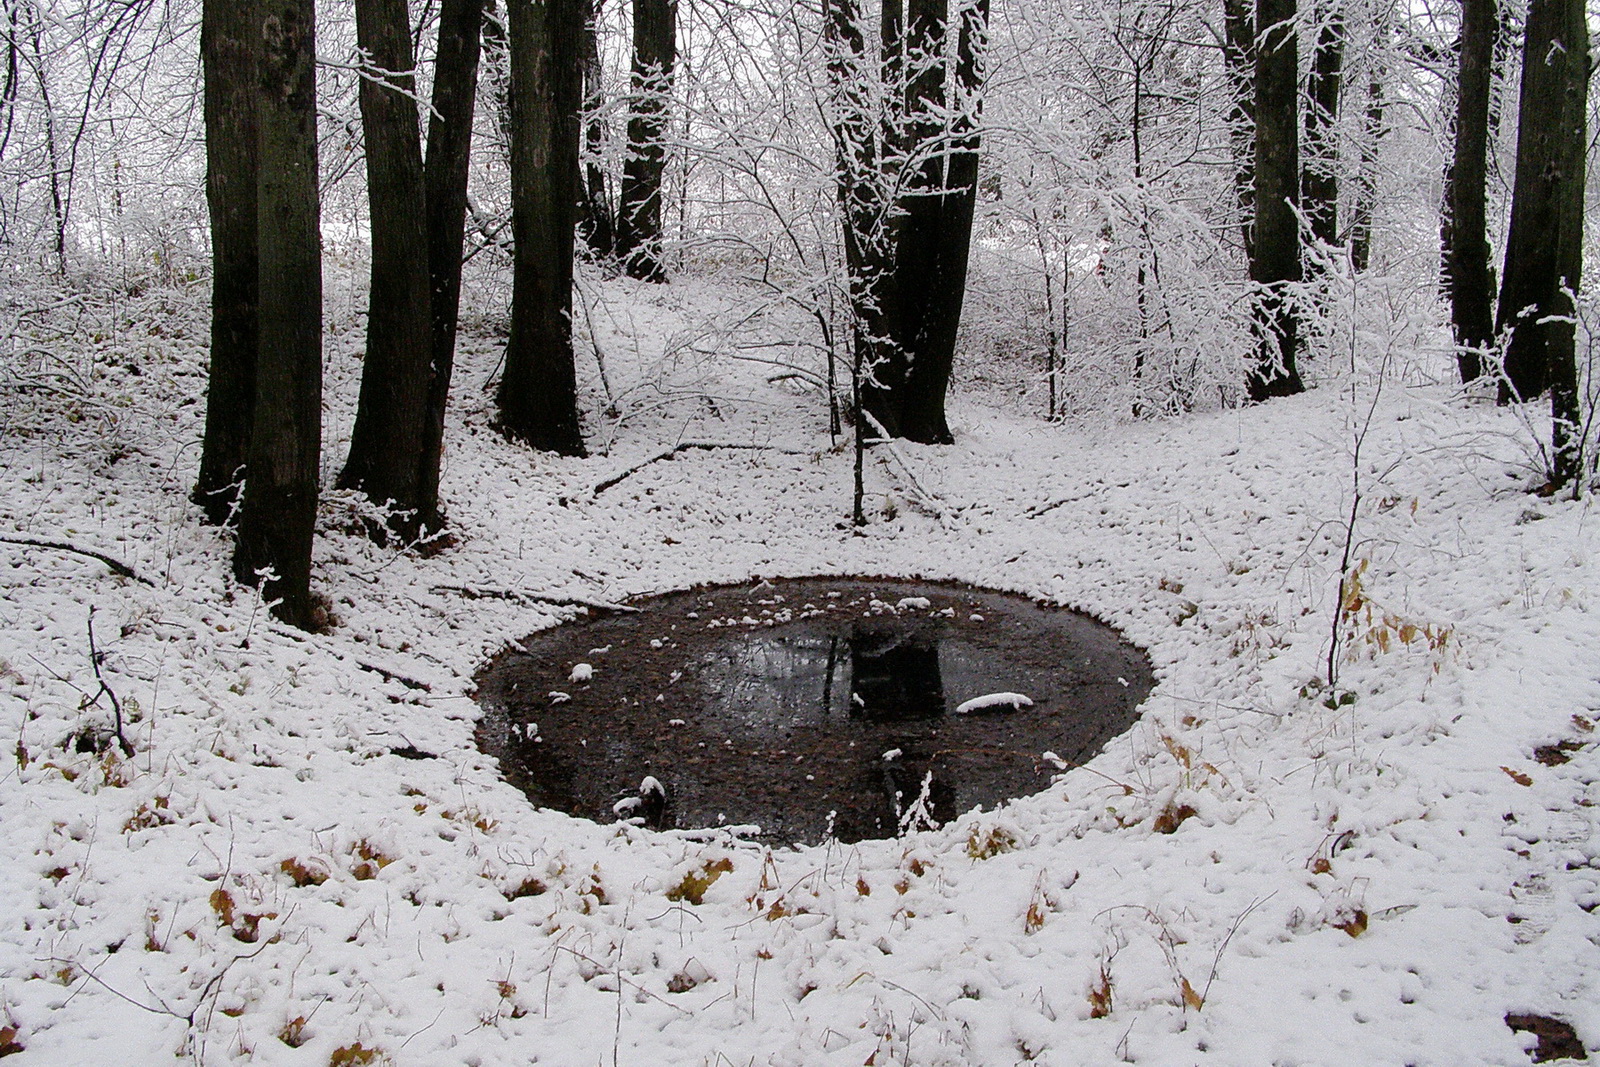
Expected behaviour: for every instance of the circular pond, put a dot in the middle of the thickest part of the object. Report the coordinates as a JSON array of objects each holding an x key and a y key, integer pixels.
[{"x": 808, "y": 708}]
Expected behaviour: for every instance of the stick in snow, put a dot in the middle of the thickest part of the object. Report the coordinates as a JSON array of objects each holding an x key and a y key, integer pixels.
[
  {"x": 116, "y": 565},
  {"x": 668, "y": 453},
  {"x": 993, "y": 701}
]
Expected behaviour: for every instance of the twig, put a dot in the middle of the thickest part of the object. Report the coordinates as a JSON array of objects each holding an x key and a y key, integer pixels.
[
  {"x": 116, "y": 705},
  {"x": 117, "y": 566},
  {"x": 475, "y": 593},
  {"x": 684, "y": 446}
]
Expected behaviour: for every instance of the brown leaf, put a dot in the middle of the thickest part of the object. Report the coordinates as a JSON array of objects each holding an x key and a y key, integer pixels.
[
  {"x": 1517, "y": 776},
  {"x": 1356, "y": 926},
  {"x": 1191, "y": 998}
]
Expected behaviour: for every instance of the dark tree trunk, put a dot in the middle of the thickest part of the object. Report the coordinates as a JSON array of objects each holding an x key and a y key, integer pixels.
[
  {"x": 538, "y": 391},
  {"x": 655, "y": 52},
  {"x": 1238, "y": 53},
  {"x": 455, "y": 88},
  {"x": 1275, "y": 265},
  {"x": 1542, "y": 251},
  {"x": 386, "y": 447},
  {"x": 1319, "y": 185},
  {"x": 595, "y": 224},
  {"x": 1471, "y": 287},
  {"x": 280, "y": 496},
  {"x": 933, "y": 357},
  {"x": 229, "y": 39}
]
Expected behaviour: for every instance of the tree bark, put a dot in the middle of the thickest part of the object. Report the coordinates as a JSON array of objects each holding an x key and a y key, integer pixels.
[
  {"x": 1469, "y": 279},
  {"x": 538, "y": 391},
  {"x": 1542, "y": 251},
  {"x": 386, "y": 446},
  {"x": 1275, "y": 264},
  {"x": 639, "y": 215},
  {"x": 1319, "y": 185},
  {"x": 455, "y": 91},
  {"x": 280, "y": 495},
  {"x": 229, "y": 41}
]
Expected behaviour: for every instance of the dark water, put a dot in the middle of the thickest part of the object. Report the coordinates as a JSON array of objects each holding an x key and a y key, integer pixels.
[{"x": 779, "y": 705}]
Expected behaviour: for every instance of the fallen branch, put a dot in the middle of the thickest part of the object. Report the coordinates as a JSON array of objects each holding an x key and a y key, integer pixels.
[
  {"x": 386, "y": 673},
  {"x": 685, "y": 446},
  {"x": 476, "y": 593},
  {"x": 117, "y": 566}
]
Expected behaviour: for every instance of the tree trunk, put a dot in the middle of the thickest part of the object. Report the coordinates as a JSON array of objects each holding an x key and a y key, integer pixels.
[
  {"x": 1319, "y": 186},
  {"x": 1238, "y": 54},
  {"x": 538, "y": 391},
  {"x": 928, "y": 381},
  {"x": 228, "y": 49},
  {"x": 280, "y": 495},
  {"x": 455, "y": 85},
  {"x": 1275, "y": 264},
  {"x": 1471, "y": 288},
  {"x": 387, "y": 445},
  {"x": 1542, "y": 252},
  {"x": 639, "y": 215}
]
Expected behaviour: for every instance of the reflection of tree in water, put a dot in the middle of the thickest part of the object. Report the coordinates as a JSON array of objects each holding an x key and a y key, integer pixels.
[{"x": 896, "y": 676}]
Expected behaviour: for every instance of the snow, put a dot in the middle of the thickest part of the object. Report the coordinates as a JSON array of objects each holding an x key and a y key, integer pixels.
[
  {"x": 994, "y": 702},
  {"x": 266, "y": 857}
]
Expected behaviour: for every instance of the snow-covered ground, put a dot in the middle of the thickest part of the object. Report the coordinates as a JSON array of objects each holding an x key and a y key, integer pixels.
[{"x": 1379, "y": 881}]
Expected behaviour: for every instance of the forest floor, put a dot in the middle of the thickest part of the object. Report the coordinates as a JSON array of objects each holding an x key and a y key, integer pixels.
[{"x": 1379, "y": 873}]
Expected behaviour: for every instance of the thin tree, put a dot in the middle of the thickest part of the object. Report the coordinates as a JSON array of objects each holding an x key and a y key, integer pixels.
[
  {"x": 1469, "y": 278},
  {"x": 655, "y": 52},
  {"x": 1543, "y": 253},
  {"x": 538, "y": 390},
  {"x": 1238, "y": 54},
  {"x": 1319, "y": 183},
  {"x": 1366, "y": 192},
  {"x": 229, "y": 40},
  {"x": 280, "y": 494},
  {"x": 1275, "y": 248},
  {"x": 595, "y": 223}
]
